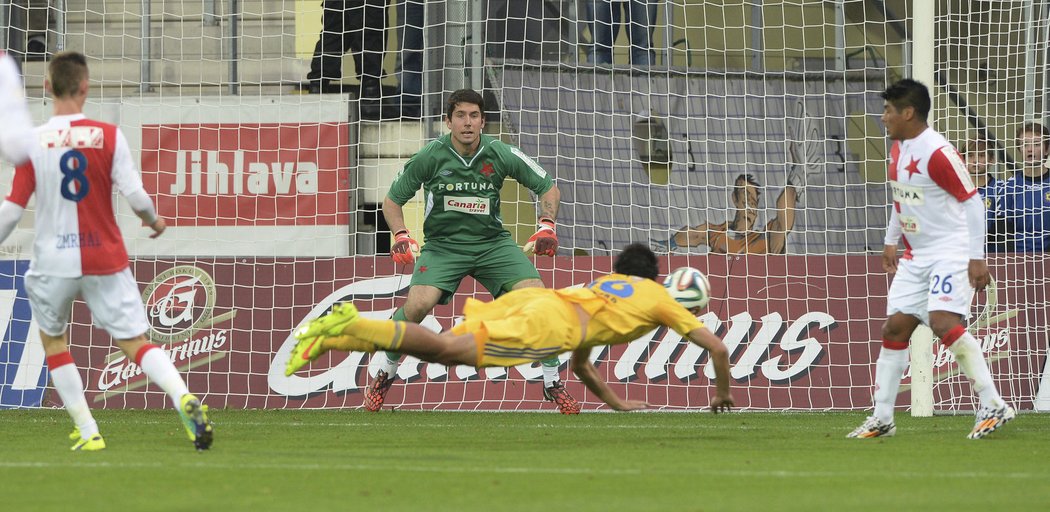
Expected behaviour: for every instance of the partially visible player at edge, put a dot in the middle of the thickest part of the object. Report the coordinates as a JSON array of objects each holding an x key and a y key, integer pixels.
[
  {"x": 526, "y": 325},
  {"x": 461, "y": 175},
  {"x": 940, "y": 218},
  {"x": 78, "y": 249},
  {"x": 16, "y": 130}
]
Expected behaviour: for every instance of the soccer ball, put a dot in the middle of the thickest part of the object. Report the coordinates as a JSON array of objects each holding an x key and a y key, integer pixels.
[{"x": 689, "y": 287}]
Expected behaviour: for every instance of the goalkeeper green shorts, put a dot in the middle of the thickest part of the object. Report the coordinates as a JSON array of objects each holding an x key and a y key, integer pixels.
[{"x": 497, "y": 265}]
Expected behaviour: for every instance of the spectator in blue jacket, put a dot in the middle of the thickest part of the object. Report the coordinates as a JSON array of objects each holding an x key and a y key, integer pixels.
[
  {"x": 1026, "y": 194},
  {"x": 981, "y": 161}
]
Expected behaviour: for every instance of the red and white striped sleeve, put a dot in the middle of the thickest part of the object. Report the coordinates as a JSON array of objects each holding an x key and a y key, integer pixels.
[{"x": 947, "y": 170}]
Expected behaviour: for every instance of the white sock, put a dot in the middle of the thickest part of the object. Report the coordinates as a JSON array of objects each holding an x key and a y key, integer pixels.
[
  {"x": 157, "y": 366},
  {"x": 550, "y": 375},
  {"x": 390, "y": 363},
  {"x": 970, "y": 359},
  {"x": 70, "y": 387},
  {"x": 889, "y": 369}
]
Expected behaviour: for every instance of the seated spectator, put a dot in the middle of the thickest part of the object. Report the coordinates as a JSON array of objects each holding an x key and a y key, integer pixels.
[
  {"x": 1026, "y": 194},
  {"x": 981, "y": 160},
  {"x": 739, "y": 234}
]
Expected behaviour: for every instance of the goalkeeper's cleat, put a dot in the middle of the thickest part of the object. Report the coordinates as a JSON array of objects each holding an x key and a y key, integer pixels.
[
  {"x": 990, "y": 419},
  {"x": 873, "y": 427},
  {"x": 92, "y": 444},
  {"x": 194, "y": 417},
  {"x": 566, "y": 403},
  {"x": 305, "y": 350},
  {"x": 330, "y": 324},
  {"x": 75, "y": 434},
  {"x": 376, "y": 391}
]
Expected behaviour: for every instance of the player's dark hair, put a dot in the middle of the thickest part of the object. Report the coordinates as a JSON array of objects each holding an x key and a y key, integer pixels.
[
  {"x": 464, "y": 96},
  {"x": 637, "y": 260},
  {"x": 909, "y": 93},
  {"x": 1037, "y": 129},
  {"x": 65, "y": 72}
]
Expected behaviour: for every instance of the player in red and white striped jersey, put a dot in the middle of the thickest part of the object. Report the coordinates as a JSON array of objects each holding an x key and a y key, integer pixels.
[
  {"x": 940, "y": 219},
  {"x": 72, "y": 170},
  {"x": 16, "y": 130}
]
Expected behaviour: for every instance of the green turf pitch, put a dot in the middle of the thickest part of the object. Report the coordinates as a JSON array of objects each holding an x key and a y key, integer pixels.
[{"x": 311, "y": 461}]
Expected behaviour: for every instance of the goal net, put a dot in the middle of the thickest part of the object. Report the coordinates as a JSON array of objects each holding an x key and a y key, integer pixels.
[{"x": 744, "y": 141}]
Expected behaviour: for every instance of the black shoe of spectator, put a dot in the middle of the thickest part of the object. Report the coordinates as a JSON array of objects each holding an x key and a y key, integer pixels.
[{"x": 323, "y": 87}]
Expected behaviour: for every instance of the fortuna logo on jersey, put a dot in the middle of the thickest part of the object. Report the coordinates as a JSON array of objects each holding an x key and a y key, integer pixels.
[
  {"x": 78, "y": 137},
  {"x": 459, "y": 187},
  {"x": 905, "y": 194},
  {"x": 471, "y": 205}
]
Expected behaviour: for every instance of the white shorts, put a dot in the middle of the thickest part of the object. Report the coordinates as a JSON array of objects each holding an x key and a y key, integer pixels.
[
  {"x": 921, "y": 287},
  {"x": 114, "y": 300}
]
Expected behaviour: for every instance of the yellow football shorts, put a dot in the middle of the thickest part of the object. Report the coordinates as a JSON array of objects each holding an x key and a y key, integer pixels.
[{"x": 523, "y": 326}]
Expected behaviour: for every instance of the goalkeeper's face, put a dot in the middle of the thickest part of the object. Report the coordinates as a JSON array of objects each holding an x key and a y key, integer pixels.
[{"x": 465, "y": 125}]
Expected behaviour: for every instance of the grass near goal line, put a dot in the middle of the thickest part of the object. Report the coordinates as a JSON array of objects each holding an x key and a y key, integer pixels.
[{"x": 537, "y": 462}]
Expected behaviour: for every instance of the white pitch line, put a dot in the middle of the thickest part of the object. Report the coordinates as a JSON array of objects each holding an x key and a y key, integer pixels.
[
  {"x": 781, "y": 474},
  {"x": 714, "y": 426},
  {"x": 315, "y": 467},
  {"x": 220, "y": 422}
]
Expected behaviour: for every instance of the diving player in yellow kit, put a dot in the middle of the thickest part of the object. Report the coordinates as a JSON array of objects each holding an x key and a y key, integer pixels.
[{"x": 534, "y": 324}]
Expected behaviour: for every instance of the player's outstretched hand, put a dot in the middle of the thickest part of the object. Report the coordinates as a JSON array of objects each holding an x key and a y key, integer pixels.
[
  {"x": 405, "y": 249},
  {"x": 545, "y": 241},
  {"x": 721, "y": 404}
]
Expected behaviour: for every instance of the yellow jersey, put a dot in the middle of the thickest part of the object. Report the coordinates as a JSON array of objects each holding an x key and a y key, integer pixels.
[
  {"x": 623, "y": 308},
  {"x": 533, "y": 324}
]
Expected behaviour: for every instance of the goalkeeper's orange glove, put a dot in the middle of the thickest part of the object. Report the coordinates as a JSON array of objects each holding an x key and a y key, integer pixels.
[
  {"x": 405, "y": 249},
  {"x": 545, "y": 241}
]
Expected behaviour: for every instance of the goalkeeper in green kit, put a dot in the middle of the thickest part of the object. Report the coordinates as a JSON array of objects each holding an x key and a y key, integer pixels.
[{"x": 461, "y": 175}]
